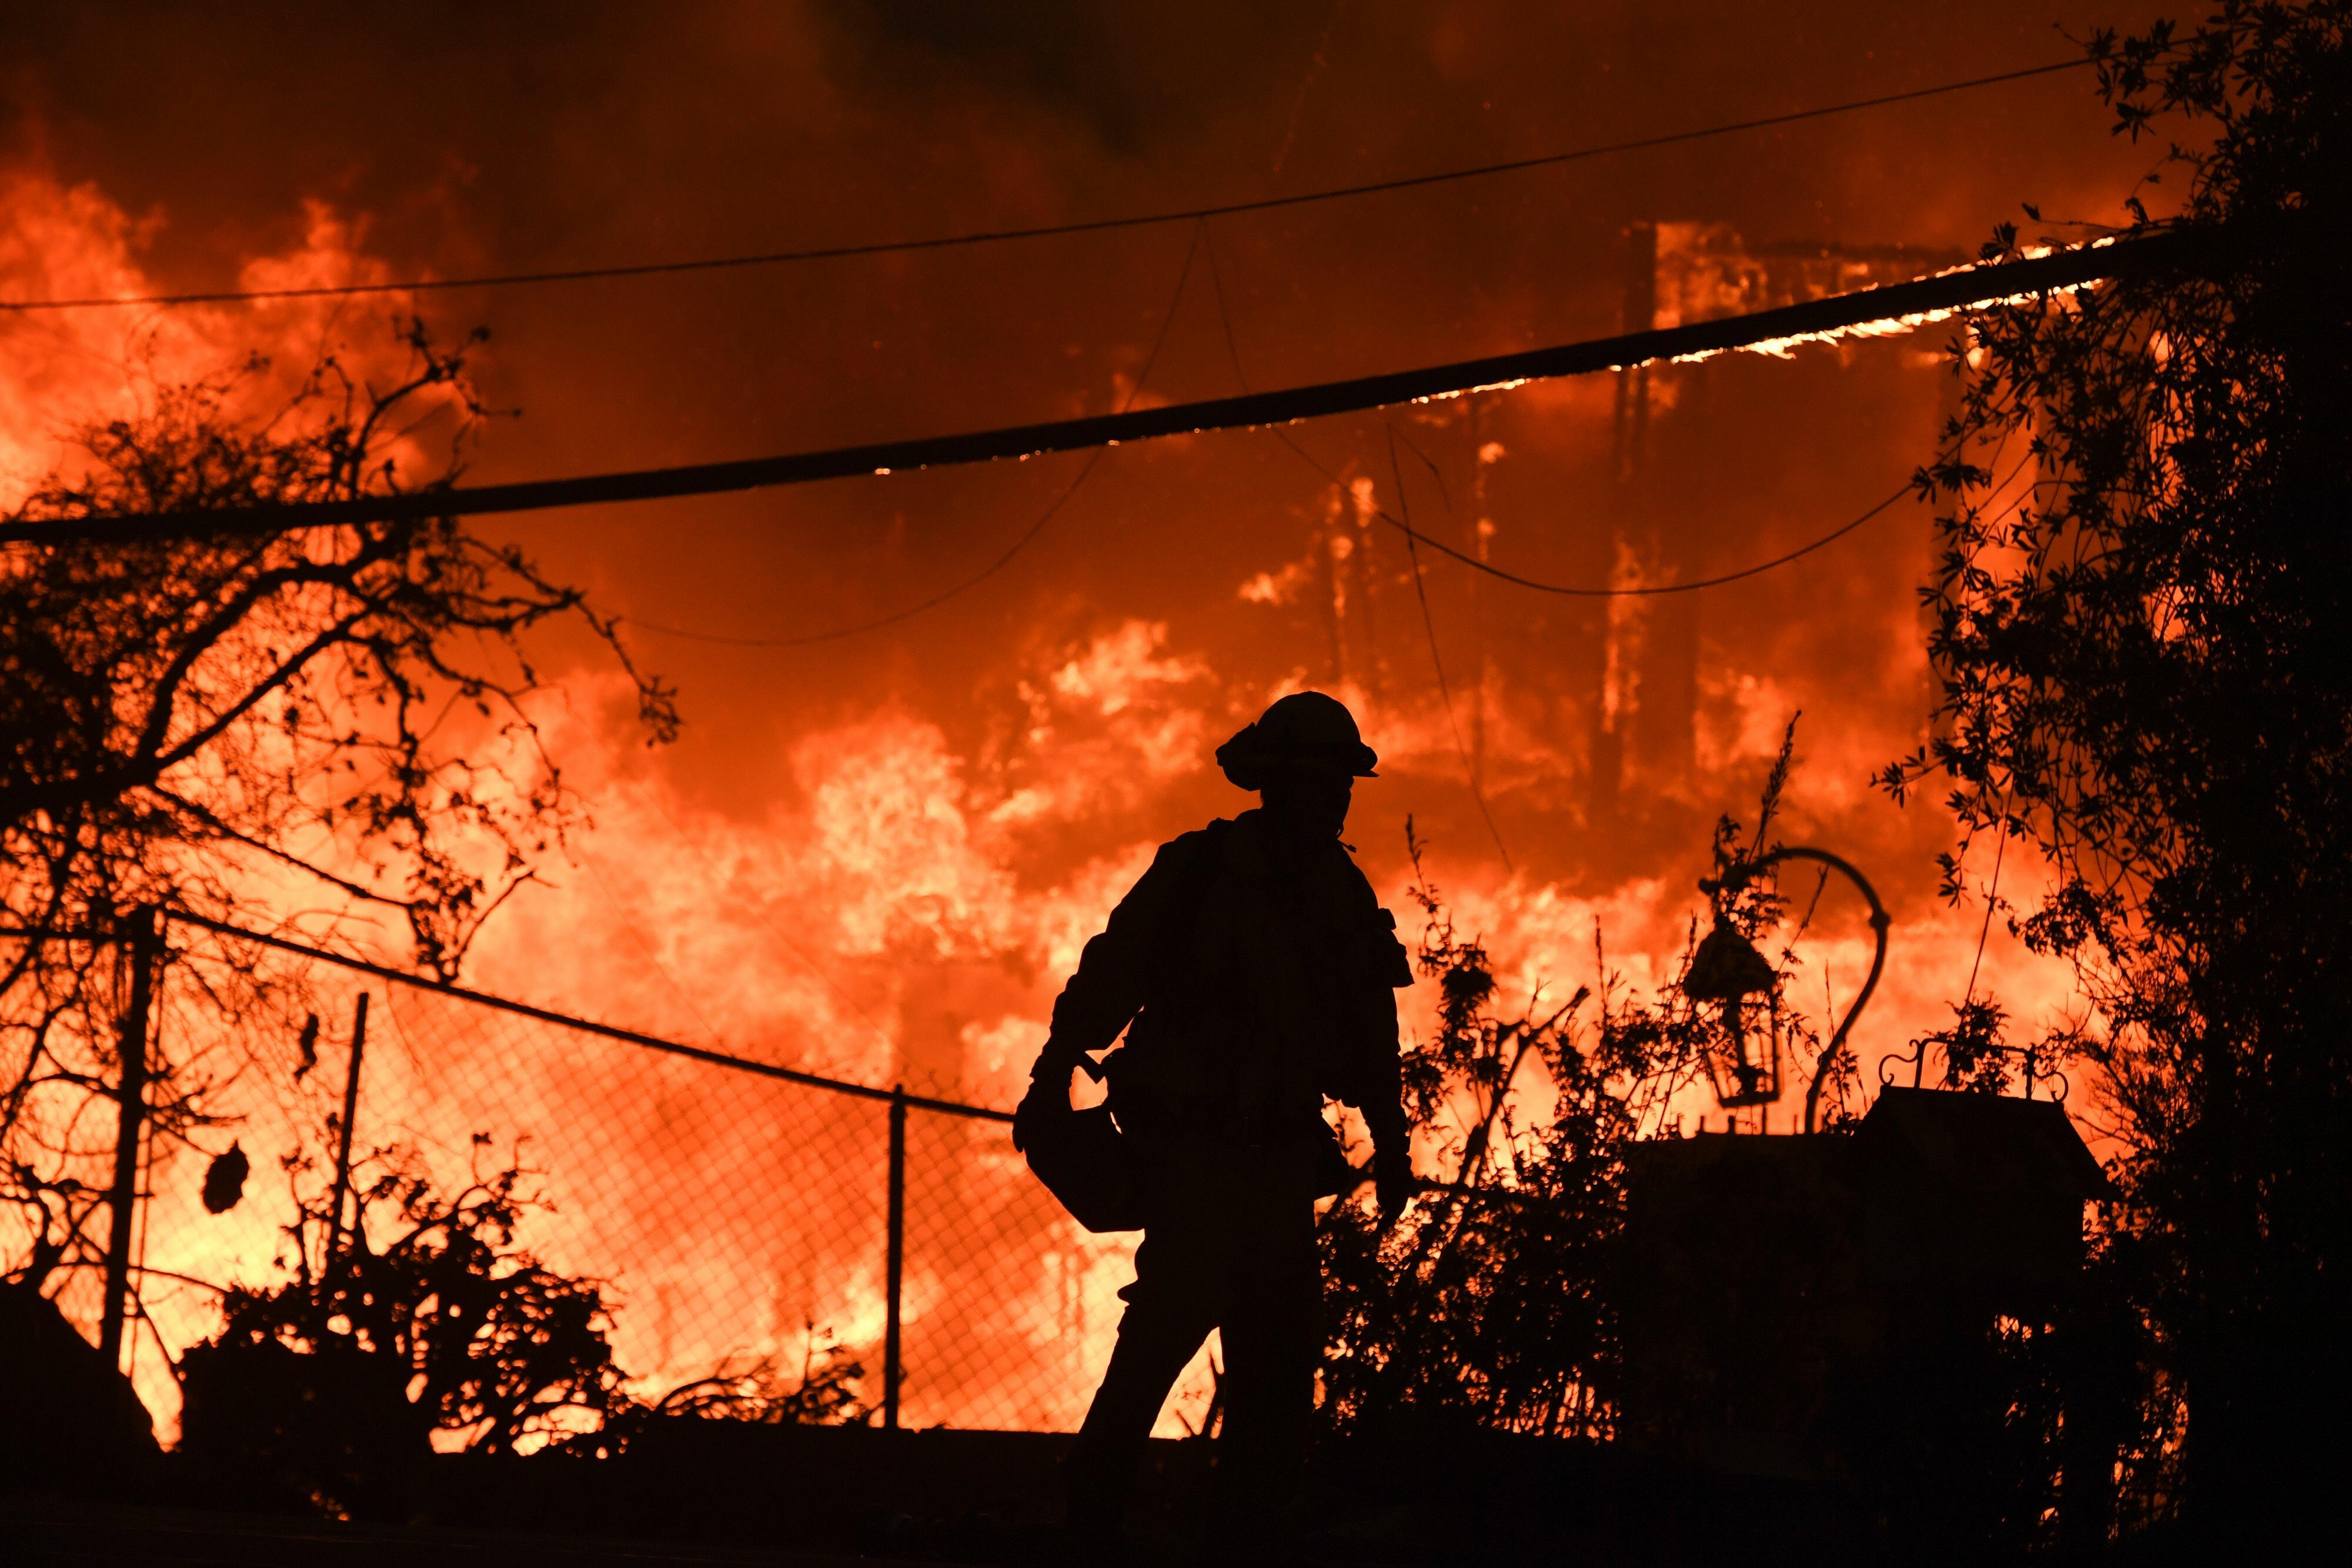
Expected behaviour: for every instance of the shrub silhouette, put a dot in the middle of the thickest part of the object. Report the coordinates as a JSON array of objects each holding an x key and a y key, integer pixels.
[{"x": 332, "y": 1386}]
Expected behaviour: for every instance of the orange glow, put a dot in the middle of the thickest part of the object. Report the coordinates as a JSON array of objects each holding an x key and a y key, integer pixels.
[
  {"x": 57, "y": 371},
  {"x": 878, "y": 859}
]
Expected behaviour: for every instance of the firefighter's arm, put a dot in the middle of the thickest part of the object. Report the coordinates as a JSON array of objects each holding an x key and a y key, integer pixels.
[
  {"x": 1383, "y": 1109},
  {"x": 1382, "y": 1080},
  {"x": 1108, "y": 989}
]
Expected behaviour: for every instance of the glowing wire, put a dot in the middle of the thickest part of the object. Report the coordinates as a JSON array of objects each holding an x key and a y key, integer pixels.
[{"x": 1043, "y": 231}]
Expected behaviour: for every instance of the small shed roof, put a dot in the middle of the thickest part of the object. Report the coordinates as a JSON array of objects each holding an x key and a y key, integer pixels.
[{"x": 1986, "y": 1143}]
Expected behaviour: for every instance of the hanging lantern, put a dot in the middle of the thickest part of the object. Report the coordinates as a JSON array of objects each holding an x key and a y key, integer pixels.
[{"x": 1727, "y": 969}]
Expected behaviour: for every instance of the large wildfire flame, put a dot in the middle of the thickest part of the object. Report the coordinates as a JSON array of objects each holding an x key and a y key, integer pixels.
[
  {"x": 58, "y": 372},
  {"x": 904, "y": 900}
]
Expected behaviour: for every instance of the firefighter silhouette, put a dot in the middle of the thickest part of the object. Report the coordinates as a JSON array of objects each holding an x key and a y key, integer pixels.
[{"x": 1253, "y": 972}]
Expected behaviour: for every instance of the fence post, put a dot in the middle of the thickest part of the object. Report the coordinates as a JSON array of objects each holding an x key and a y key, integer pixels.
[
  {"x": 896, "y": 1264},
  {"x": 344, "y": 1154},
  {"x": 146, "y": 941}
]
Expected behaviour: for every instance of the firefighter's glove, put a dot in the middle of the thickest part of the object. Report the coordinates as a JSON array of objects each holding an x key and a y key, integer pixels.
[
  {"x": 1393, "y": 1182},
  {"x": 1054, "y": 1064},
  {"x": 1049, "y": 1092}
]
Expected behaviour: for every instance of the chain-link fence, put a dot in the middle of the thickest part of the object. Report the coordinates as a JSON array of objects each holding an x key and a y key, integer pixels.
[{"x": 737, "y": 1212}]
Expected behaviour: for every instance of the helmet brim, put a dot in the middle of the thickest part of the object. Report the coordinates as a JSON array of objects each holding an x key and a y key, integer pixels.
[{"x": 1250, "y": 763}]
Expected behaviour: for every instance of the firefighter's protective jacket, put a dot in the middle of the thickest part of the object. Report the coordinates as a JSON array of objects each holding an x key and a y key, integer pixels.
[{"x": 1254, "y": 978}]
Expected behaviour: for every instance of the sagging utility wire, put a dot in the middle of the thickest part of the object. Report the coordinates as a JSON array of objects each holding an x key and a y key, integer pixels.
[
  {"x": 1040, "y": 231},
  {"x": 1413, "y": 537},
  {"x": 1897, "y": 307},
  {"x": 1420, "y": 588},
  {"x": 1053, "y": 509},
  {"x": 1579, "y": 590}
]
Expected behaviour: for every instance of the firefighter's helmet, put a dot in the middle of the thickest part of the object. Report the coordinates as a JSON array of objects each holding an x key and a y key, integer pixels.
[{"x": 1304, "y": 729}]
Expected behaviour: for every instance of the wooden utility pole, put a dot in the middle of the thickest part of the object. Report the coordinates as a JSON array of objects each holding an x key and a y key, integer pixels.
[
  {"x": 144, "y": 942},
  {"x": 1620, "y": 619}
]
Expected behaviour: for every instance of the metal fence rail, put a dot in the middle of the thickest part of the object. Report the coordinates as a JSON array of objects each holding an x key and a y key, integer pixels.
[{"x": 738, "y": 1212}]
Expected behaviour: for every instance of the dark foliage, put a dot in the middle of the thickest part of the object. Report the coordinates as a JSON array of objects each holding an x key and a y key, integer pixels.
[
  {"x": 199, "y": 723},
  {"x": 1493, "y": 1302},
  {"x": 339, "y": 1378},
  {"x": 1979, "y": 1055},
  {"x": 2144, "y": 678},
  {"x": 444, "y": 1332},
  {"x": 825, "y": 1392}
]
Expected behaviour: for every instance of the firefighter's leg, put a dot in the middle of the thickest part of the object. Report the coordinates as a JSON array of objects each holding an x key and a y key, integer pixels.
[
  {"x": 1167, "y": 1317},
  {"x": 1273, "y": 1342}
]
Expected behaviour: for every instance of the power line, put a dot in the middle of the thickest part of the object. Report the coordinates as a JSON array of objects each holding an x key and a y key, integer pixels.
[
  {"x": 1405, "y": 526},
  {"x": 1573, "y": 591},
  {"x": 1042, "y": 231},
  {"x": 1028, "y": 538},
  {"x": 1913, "y": 303},
  {"x": 1420, "y": 588},
  {"x": 1414, "y": 537}
]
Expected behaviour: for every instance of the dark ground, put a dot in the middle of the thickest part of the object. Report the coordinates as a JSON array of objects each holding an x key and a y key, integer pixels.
[{"x": 722, "y": 1492}]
